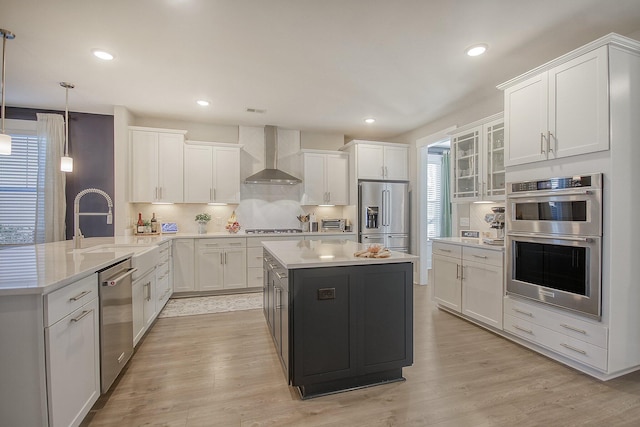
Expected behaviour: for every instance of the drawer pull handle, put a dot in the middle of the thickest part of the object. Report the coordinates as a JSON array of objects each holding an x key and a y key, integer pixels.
[
  {"x": 281, "y": 275},
  {"x": 526, "y": 313},
  {"x": 259, "y": 257},
  {"x": 573, "y": 328},
  {"x": 80, "y": 295},
  {"x": 480, "y": 256},
  {"x": 529, "y": 331},
  {"x": 235, "y": 244},
  {"x": 83, "y": 314},
  {"x": 272, "y": 266},
  {"x": 444, "y": 250},
  {"x": 577, "y": 350}
]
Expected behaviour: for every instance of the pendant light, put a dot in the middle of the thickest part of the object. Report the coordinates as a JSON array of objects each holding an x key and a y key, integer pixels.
[
  {"x": 5, "y": 140},
  {"x": 66, "y": 162}
]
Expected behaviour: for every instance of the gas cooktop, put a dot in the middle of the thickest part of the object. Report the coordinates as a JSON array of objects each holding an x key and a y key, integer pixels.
[{"x": 273, "y": 231}]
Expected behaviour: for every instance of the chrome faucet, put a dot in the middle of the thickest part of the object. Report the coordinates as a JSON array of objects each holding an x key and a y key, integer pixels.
[{"x": 77, "y": 234}]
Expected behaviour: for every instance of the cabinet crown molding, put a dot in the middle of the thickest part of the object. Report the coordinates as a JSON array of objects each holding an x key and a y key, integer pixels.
[
  {"x": 362, "y": 141},
  {"x": 612, "y": 39},
  {"x": 480, "y": 122},
  {"x": 213, "y": 143},
  {"x": 148, "y": 129}
]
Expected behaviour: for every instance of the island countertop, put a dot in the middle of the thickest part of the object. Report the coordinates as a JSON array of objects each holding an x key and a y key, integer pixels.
[{"x": 326, "y": 253}]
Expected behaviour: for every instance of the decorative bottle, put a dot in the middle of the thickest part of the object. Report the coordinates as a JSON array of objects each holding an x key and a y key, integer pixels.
[
  {"x": 154, "y": 223},
  {"x": 140, "y": 225}
]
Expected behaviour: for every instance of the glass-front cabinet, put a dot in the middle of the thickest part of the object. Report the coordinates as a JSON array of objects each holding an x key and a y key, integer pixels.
[{"x": 478, "y": 161}]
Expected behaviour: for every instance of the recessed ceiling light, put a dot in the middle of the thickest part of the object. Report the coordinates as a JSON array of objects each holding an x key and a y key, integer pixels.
[
  {"x": 99, "y": 53},
  {"x": 370, "y": 120},
  {"x": 203, "y": 103},
  {"x": 477, "y": 49}
]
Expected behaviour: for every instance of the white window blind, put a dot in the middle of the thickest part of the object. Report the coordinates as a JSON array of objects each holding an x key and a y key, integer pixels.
[
  {"x": 18, "y": 190},
  {"x": 434, "y": 191}
]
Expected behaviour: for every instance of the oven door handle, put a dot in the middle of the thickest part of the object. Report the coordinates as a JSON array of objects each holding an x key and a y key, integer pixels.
[
  {"x": 560, "y": 193},
  {"x": 551, "y": 237}
]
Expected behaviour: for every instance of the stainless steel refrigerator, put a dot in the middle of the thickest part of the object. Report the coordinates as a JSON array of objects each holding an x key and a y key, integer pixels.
[{"x": 384, "y": 214}]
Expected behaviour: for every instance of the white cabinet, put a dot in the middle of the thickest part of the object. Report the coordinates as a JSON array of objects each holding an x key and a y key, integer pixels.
[
  {"x": 221, "y": 264},
  {"x": 143, "y": 303},
  {"x": 183, "y": 265},
  {"x": 380, "y": 160},
  {"x": 561, "y": 112},
  {"x": 469, "y": 281},
  {"x": 478, "y": 171},
  {"x": 211, "y": 173},
  {"x": 72, "y": 347},
  {"x": 156, "y": 165},
  {"x": 164, "y": 283},
  {"x": 326, "y": 178}
]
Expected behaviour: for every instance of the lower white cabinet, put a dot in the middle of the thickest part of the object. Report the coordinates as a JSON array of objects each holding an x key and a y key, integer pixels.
[
  {"x": 578, "y": 339},
  {"x": 183, "y": 265},
  {"x": 72, "y": 348},
  {"x": 164, "y": 283},
  {"x": 144, "y": 304},
  {"x": 469, "y": 280},
  {"x": 221, "y": 264}
]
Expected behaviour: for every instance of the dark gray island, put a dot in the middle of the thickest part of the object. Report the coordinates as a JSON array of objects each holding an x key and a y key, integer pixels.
[{"x": 338, "y": 321}]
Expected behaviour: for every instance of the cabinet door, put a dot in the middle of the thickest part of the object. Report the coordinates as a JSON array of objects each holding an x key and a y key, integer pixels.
[
  {"x": 466, "y": 164},
  {"x": 73, "y": 365},
  {"x": 209, "y": 269},
  {"x": 493, "y": 165},
  {"x": 137, "y": 300},
  {"x": 578, "y": 105},
  {"x": 144, "y": 166},
  {"x": 446, "y": 282},
  {"x": 370, "y": 161},
  {"x": 198, "y": 174},
  {"x": 314, "y": 179},
  {"x": 235, "y": 268},
  {"x": 183, "y": 265},
  {"x": 396, "y": 163},
  {"x": 226, "y": 175},
  {"x": 170, "y": 167},
  {"x": 482, "y": 292},
  {"x": 337, "y": 179},
  {"x": 525, "y": 116}
]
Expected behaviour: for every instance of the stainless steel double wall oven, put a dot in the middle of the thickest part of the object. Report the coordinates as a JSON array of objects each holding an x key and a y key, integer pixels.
[{"x": 554, "y": 242}]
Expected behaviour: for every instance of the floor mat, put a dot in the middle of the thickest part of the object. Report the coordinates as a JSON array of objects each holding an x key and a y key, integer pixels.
[{"x": 211, "y": 304}]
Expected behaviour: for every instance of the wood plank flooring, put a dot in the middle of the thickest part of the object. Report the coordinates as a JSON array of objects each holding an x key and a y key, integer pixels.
[{"x": 221, "y": 370}]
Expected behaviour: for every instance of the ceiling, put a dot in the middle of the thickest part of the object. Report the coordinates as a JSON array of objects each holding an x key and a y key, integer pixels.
[{"x": 315, "y": 65}]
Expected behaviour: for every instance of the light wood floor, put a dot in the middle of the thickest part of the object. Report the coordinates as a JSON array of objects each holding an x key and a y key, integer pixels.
[{"x": 222, "y": 370}]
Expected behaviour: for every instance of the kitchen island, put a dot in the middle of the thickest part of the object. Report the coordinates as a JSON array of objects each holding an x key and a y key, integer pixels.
[{"x": 338, "y": 321}]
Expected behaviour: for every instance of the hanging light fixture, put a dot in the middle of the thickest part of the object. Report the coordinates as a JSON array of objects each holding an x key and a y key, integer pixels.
[
  {"x": 5, "y": 140},
  {"x": 66, "y": 162}
]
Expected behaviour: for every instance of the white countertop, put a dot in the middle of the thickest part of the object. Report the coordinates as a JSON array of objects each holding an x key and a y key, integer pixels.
[
  {"x": 475, "y": 243},
  {"x": 43, "y": 268},
  {"x": 293, "y": 254}
]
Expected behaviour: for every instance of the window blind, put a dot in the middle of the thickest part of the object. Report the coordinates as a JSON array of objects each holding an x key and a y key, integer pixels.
[
  {"x": 434, "y": 191},
  {"x": 18, "y": 190}
]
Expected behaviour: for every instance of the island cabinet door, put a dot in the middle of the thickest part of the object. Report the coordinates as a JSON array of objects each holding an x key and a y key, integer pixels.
[
  {"x": 323, "y": 326},
  {"x": 385, "y": 308}
]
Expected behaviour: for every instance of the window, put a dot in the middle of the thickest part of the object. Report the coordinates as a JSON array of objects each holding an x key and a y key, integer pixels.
[
  {"x": 434, "y": 195},
  {"x": 18, "y": 189}
]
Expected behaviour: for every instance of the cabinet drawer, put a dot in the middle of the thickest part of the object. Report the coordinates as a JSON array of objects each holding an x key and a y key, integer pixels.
[
  {"x": 256, "y": 242},
  {"x": 64, "y": 301},
  {"x": 567, "y": 346},
  {"x": 162, "y": 271},
  {"x": 163, "y": 253},
  {"x": 564, "y": 324},
  {"x": 484, "y": 256},
  {"x": 227, "y": 242},
  {"x": 445, "y": 249},
  {"x": 254, "y": 277},
  {"x": 254, "y": 257}
]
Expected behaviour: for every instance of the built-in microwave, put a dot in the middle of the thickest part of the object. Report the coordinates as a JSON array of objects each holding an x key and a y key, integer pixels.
[{"x": 554, "y": 242}]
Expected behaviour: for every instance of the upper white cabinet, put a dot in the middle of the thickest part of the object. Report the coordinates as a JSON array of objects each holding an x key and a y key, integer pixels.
[
  {"x": 478, "y": 171},
  {"x": 211, "y": 173},
  {"x": 156, "y": 165},
  {"x": 326, "y": 178},
  {"x": 380, "y": 160},
  {"x": 560, "y": 112}
]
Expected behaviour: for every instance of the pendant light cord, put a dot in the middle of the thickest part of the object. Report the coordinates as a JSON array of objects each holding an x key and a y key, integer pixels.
[
  {"x": 4, "y": 49},
  {"x": 66, "y": 122}
]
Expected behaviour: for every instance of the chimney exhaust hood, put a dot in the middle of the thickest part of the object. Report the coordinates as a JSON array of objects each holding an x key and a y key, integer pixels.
[{"x": 271, "y": 174}]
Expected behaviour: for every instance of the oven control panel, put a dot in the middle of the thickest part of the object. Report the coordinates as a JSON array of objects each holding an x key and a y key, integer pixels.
[{"x": 579, "y": 181}]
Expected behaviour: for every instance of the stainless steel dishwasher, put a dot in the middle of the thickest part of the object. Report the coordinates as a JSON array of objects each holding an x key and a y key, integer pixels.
[{"x": 116, "y": 321}]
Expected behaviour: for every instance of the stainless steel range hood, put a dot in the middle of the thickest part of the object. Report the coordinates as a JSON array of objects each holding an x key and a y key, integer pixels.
[{"x": 271, "y": 174}]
